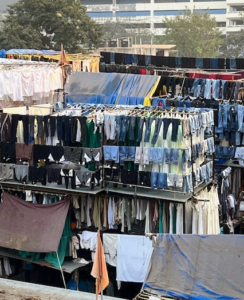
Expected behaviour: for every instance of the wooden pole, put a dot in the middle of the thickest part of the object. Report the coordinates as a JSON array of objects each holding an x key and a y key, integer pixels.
[{"x": 61, "y": 270}]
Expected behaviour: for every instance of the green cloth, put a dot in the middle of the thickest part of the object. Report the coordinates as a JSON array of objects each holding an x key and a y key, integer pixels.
[
  {"x": 160, "y": 217},
  {"x": 92, "y": 141},
  {"x": 33, "y": 256},
  {"x": 51, "y": 257}
]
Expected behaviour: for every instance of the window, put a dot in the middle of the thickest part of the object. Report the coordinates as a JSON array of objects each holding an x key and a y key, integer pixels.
[
  {"x": 160, "y": 25},
  {"x": 211, "y": 11},
  {"x": 137, "y": 25},
  {"x": 221, "y": 24},
  {"x": 132, "y": 13},
  {"x": 169, "y": 12},
  {"x": 105, "y": 14},
  {"x": 96, "y": 2}
]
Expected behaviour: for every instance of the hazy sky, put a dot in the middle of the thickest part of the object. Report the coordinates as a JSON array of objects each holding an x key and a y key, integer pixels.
[{"x": 4, "y": 3}]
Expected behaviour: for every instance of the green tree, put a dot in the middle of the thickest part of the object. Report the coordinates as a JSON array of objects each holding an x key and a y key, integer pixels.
[
  {"x": 233, "y": 45},
  {"x": 47, "y": 24},
  {"x": 194, "y": 34}
]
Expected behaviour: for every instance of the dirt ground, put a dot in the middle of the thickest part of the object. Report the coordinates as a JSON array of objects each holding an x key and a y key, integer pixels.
[{"x": 22, "y": 294}]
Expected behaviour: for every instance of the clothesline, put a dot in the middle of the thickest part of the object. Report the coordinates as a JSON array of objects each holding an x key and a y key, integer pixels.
[{"x": 167, "y": 69}]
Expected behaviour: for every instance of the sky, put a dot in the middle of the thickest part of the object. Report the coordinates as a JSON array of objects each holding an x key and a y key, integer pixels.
[{"x": 4, "y": 3}]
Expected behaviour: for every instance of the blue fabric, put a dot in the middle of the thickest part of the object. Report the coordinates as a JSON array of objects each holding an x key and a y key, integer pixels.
[
  {"x": 214, "y": 63},
  {"x": 232, "y": 63},
  {"x": 199, "y": 62},
  {"x": 2, "y": 53},
  {"x": 109, "y": 88},
  {"x": 148, "y": 60},
  {"x": 156, "y": 101},
  {"x": 72, "y": 285},
  {"x": 179, "y": 265},
  {"x": 112, "y": 57},
  {"x": 135, "y": 59},
  {"x": 128, "y": 59},
  {"x": 178, "y": 62},
  {"x": 32, "y": 51}
]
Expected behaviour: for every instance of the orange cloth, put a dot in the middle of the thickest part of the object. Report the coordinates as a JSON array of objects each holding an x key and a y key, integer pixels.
[{"x": 99, "y": 269}]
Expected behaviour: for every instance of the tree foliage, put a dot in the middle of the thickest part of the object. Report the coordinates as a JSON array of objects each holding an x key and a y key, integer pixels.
[
  {"x": 47, "y": 24},
  {"x": 194, "y": 34},
  {"x": 233, "y": 45}
]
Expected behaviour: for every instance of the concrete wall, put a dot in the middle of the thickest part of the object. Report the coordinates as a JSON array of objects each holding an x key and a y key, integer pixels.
[{"x": 16, "y": 290}]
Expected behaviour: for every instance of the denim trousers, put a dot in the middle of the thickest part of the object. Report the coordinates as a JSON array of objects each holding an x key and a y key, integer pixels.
[
  {"x": 158, "y": 124},
  {"x": 140, "y": 123},
  {"x": 124, "y": 127},
  {"x": 166, "y": 127},
  {"x": 148, "y": 129},
  {"x": 132, "y": 121},
  {"x": 223, "y": 115}
]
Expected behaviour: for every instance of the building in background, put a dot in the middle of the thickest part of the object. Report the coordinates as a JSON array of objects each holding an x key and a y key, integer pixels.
[
  {"x": 150, "y": 13},
  {"x": 234, "y": 15}
]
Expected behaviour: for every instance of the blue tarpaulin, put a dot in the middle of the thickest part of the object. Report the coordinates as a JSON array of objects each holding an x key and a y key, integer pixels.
[
  {"x": 2, "y": 53},
  {"x": 31, "y": 52},
  {"x": 197, "y": 267},
  {"x": 109, "y": 88}
]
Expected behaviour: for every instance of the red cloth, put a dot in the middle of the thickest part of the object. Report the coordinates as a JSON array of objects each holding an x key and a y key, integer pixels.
[
  {"x": 142, "y": 71},
  {"x": 31, "y": 227}
]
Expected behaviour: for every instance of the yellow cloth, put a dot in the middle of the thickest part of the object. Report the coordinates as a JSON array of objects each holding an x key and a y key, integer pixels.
[{"x": 147, "y": 101}]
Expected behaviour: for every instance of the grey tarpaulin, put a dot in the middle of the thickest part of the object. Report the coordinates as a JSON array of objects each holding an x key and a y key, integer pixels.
[
  {"x": 197, "y": 267},
  {"x": 31, "y": 227},
  {"x": 109, "y": 88}
]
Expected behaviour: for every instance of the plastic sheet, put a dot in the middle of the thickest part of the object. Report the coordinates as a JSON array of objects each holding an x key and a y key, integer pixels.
[
  {"x": 109, "y": 88},
  {"x": 197, "y": 267}
]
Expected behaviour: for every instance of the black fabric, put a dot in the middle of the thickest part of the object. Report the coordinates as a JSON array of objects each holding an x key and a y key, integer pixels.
[
  {"x": 67, "y": 177},
  {"x": 8, "y": 153},
  {"x": 53, "y": 125},
  {"x": 240, "y": 63},
  {"x": 221, "y": 63},
  {"x": 105, "y": 57},
  {"x": 40, "y": 152},
  {"x": 57, "y": 152},
  {"x": 118, "y": 58},
  {"x": 25, "y": 121},
  {"x": 73, "y": 129},
  {"x": 31, "y": 125},
  {"x": 141, "y": 60},
  {"x": 53, "y": 175},
  {"x": 46, "y": 121},
  {"x": 159, "y": 61},
  {"x": 82, "y": 121},
  {"x": 206, "y": 63},
  {"x": 15, "y": 120},
  {"x": 37, "y": 175},
  {"x": 145, "y": 178},
  {"x": 129, "y": 177},
  {"x": 39, "y": 125}
]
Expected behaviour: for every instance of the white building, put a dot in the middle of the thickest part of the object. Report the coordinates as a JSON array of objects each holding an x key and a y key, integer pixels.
[{"x": 150, "y": 13}]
